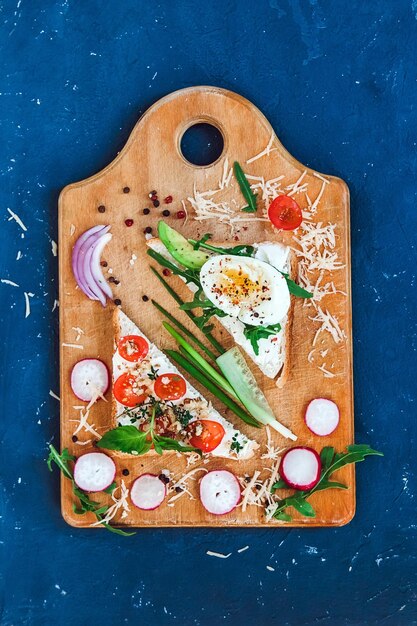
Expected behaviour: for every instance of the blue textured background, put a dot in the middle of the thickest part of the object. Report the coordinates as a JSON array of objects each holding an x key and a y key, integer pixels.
[{"x": 338, "y": 81}]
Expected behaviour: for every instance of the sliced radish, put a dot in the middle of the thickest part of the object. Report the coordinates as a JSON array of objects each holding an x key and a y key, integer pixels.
[
  {"x": 148, "y": 492},
  {"x": 300, "y": 468},
  {"x": 94, "y": 471},
  {"x": 322, "y": 416},
  {"x": 219, "y": 492},
  {"x": 88, "y": 378}
]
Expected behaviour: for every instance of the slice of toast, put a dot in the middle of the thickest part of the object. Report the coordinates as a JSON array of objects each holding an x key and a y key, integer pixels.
[
  {"x": 146, "y": 372},
  {"x": 274, "y": 359}
]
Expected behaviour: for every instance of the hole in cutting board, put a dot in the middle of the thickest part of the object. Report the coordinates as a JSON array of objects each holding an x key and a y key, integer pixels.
[{"x": 202, "y": 144}]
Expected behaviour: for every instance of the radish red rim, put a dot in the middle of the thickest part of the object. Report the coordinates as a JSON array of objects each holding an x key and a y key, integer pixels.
[
  {"x": 148, "y": 492},
  {"x": 94, "y": 472},
  {"x": 300, "y": 468}
]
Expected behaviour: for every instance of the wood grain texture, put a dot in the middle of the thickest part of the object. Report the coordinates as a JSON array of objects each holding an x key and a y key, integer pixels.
[{"x": 151, "y": 159}]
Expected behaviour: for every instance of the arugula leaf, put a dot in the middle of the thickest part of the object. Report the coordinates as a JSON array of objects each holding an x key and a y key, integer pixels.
[
  {"x": 295, "y": 289},
  {"x": 86, "y": 504},
  {"x": 331, "y": 462},
  {"x": 255, "y": 333},
  {"x": 244, "y": 185},
  {"x": 190, "y": 276},
  {"x": 111, "y": 488},
  {"x": 166, "y": 443},
  {"x": 200, "y": 242}
]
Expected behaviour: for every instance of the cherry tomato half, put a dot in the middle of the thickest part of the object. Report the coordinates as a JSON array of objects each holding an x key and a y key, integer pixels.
[
  {"x": 133, "y": 348},
  {"x": 170, "y": 387},
  {"x": 127, "y": 391},
  {"x": 285, "y": 213},
  {"x": 205, "y": 434}
]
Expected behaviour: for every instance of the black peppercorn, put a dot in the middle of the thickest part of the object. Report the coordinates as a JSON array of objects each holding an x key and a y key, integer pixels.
[
  {"x": 74, "y": 438},
  {"x": 101, "y": 208},
  {"x": 112, "y": 279},
  {"x": 126, "y": 189},
  {"x": 145, "y": 298},
  {"x": 179, "y": 489},
  {"x": 164, "y": 478},
  {"x": 156, "y": 203},
  {"x": 148, "y": 230},
  {"x": 165, "y": 213},
  {"x": 117, "y": 302},
  {"x": 146, "y": 211},
  {"x": 125, "y": 472}
]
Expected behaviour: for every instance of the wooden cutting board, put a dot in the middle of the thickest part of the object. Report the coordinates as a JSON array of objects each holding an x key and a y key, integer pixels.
[{"x": 151, "y": 160}]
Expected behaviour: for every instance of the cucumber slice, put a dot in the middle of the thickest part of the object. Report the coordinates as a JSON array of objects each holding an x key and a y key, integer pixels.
[
  {"x": 180, "y": 248},
  {"x": 237, "y": 372}
]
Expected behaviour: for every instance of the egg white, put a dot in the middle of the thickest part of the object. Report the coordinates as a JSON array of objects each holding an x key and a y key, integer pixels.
[{"x": 248, "y": 289}]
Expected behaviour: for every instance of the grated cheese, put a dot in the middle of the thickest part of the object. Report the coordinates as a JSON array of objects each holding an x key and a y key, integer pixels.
[
  {"x": 54, "y": 247},
  {"x": 182, "y": 482},
  {"x": 73, "y": 345},
  {"x": 219, "y": 555},
  {"x": 326, "y": 372},
  {"x": 72, "y": 230},
  {"x": 56, "y": 303},
  {"x": 14, "y": 216},
  {"x": 269, "y": 568},
  {"x": 19, "y": 255},
  {"x": 79, "y": 332},
  {"x": 27, "y": 295},
  {"x": 329, "y": 324},
  {"x": 265, "y": 152},
  {"x": 119, "y": 503},
  {"x": 271, "y": 451},
  {"x": 243, "y": 549},
  {"x": 6, "y": 281},
  {"x": 53, "y": 395}
]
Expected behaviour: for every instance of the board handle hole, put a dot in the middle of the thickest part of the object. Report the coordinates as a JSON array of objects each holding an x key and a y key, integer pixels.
[{"x": 202, "y": 144}]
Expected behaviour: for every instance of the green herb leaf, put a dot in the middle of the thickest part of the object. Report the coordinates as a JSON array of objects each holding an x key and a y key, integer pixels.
[
  {"x": 198, "y": 243},
  {"x": 255, "y": 333},
  {"x": 331, "y": 462},
  {"x": 301, "y": 505},
  {"x": 244, "y": 185},
  {"x": 126, "y": 439},
  {"x": 283, "y": 517},
  {"x": 86, "y": 504},
  {"x": 295, "y": 289},
  {"x": 166, "y": 443},
  {"x": 241, "y": 250},
  {"x": 111, "y": 488}
]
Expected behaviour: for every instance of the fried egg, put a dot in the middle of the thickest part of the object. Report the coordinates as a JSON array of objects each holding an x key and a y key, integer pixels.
[{"x": 249, "y": 289}]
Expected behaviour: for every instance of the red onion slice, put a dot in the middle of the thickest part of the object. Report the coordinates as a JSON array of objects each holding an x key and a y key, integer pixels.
[
  {"x": 77, "y": 266},
  {"x": 95, "y": 266},
  {"x": 88, "y": 249}
]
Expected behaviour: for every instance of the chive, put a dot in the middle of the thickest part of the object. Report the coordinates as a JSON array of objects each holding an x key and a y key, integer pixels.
[
  {"x": 192, "y": 317},
  {"x": 200, "y": 362},
  {"x": 210, "y": 386},
  {"x": 185, "y": 330}
]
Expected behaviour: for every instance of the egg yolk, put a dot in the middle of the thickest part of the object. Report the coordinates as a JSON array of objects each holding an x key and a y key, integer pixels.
[{"x": 236, "y": 285}]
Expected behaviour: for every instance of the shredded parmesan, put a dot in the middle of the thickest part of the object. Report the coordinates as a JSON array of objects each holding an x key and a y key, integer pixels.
[
  {"x": 219, "y": 555},
  {"x": 265, "y": 152},
  {"x": 27, "y": 295},
  {"x": 329, "y": 324},
  {"x": 79, "y": 332},
  {"x": 54, "y": 247},
  {"x": 182, "y": 484},
  {"x": 271, "y": 451},
  {"x": 6, "y": 281},
  {"x": 72, "y": 230},
  {"x": 14, "y": 216},
  {"x": 53, "y": 395},
  {"x": 243, "y": 549},
  {"x": 270, "y": 569},
  {"x": 83, "y": 423},
  {"x": 119, "y": 503},
  {"x": 326, "y": 372},
  {"x": 56, "y": 303},
  {"x": 73, "y": 345},
  {"x": 19, "y": 255}
]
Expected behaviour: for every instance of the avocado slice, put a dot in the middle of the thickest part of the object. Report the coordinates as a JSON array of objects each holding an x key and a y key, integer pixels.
[{"x": 180, "y": 248}]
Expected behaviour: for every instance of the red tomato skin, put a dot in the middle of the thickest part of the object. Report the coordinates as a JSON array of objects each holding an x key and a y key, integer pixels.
[
  {"x": 210, "y": 438},
  {"x": 123, "y": 391},
  {"x": 140, "y": 343},
  {"x": 285, "y": 213},
  {"x": 174, "y": 389}
]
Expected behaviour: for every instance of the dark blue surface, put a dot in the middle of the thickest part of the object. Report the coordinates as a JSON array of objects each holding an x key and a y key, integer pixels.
[{"x": 338, "y": 81}]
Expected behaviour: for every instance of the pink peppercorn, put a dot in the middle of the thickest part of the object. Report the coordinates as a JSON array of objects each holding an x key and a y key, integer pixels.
[
  {"x": 180, "y": 215},
  {"x": 168, "y": 200},
  {"x": 129, "y": 222}
]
